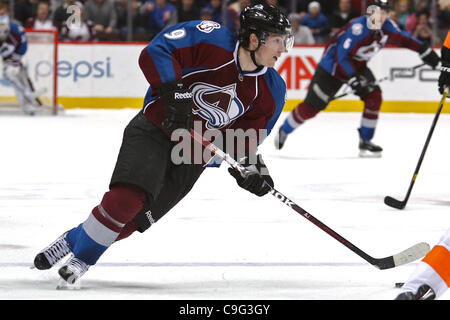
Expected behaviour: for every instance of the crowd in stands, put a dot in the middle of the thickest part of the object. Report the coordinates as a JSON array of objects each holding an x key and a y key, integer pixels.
[{"x": 314, "y": 22}]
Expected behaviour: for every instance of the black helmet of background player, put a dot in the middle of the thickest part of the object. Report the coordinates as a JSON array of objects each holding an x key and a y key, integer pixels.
[
  {"x": 263, "y": 19},
  {"x": 382, "y": 4}
]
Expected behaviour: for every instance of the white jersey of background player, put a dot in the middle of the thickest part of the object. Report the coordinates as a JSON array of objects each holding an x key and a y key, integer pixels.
[{"x": 13, "y": 45}]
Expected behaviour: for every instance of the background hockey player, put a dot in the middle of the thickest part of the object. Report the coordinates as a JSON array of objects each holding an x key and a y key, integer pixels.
[
  {"x": 13, "y": 45},
  {"x": 345, "y": 61},
  {"x": 431, "y": 278},
  {"x": 198, "y": 71}
]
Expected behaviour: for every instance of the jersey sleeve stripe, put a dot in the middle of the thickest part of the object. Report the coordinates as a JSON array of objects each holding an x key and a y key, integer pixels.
[
  {"x": 439, "y": 259},
  {"x": 147, "y": 66}
]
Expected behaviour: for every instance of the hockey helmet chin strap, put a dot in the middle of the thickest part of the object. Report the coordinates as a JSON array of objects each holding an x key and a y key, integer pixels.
[
  {"x": 252, "y": 52},
  {"x": 252, "y": 55}
]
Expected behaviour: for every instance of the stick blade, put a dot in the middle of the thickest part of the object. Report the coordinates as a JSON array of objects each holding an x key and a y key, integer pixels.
[
  {"x": 406, "y": 256},
  {"x": 394, "y": 203},
  {"x": 411, "y": 254}
]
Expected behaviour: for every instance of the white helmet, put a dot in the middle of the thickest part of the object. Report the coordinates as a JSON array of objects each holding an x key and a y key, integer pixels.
[{"x": 4, "y": 27}]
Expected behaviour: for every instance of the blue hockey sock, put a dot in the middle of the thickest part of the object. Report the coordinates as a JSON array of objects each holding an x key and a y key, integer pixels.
[
  {"x": 366, "y": 134},
  {"x": 102, "y": 228},
  {"x": 86, "y": 249},
  {"x": 286, "y": 127},
  {"x": 83, "y": 246},
  {"x": 72, "y": 236}
]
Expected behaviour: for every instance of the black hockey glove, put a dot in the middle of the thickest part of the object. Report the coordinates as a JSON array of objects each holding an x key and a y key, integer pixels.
[
  {"x": 428, "y": 56},
  {"x": 359, "y": 84},
  {"x": 256, "y": 178},
  {"x": 444, "y": 78},
  {"x": 6, "y": 50},
  {"x": 178, "y": 103}
]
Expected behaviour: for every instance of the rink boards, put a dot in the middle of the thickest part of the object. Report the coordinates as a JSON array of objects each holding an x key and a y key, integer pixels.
[{"x": 107, "y": 75}]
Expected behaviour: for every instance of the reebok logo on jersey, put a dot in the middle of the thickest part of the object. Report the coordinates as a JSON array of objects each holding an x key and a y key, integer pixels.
[{"x": 180, "y": 96}]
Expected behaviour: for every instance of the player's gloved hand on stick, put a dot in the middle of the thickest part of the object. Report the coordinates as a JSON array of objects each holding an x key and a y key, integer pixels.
[
  {"x": 358, "y": 83},
  {"x": 428, "y": 56},
  {"x": 444, "y": 78},
  {"x": 178, "y": 103},
  {"x": 6, "y": 50},
  {"x": 256, "y": 178}
]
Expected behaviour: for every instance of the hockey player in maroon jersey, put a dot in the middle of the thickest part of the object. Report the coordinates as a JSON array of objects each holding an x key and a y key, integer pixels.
[
  {"x": 345, "y": 61},
  {"x": 198, "y": 72}
]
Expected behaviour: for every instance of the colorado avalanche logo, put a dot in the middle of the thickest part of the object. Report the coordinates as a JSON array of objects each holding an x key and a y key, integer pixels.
[
  {"x": 208, "y": 26},
  {"x": 218, "y": 106},
  {"x": 367, "y": 52}
]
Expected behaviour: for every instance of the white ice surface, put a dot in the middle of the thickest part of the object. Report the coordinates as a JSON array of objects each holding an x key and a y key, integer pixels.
[{"x": 221, "y": 242}]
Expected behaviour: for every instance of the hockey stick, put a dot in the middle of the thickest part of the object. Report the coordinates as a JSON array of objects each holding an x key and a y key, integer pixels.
[
  {"x": 353, "y": 91},
  {"x": 401, "y": 204},
  {"x": 377, "y": 82},
  {"x": 36, "y": 93},
  {"x": 413, "y": 253}
]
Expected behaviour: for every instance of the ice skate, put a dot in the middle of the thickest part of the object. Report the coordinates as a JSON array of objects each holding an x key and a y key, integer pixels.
[
  {"x": 72, "y": 270},
  {"x": 280, "y": 139},
  {"x": 64, "y": 285},
  {"x": 48, "y": 257},
  {"x": 423, "y": 293},
  {"x": 368, "y": 149},
  {"x": 29, "y": 109}
]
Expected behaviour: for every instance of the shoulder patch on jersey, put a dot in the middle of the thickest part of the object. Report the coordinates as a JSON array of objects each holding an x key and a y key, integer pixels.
[
  {"x": 357, "y": 29},
  {"x": 208, "y": 26}
]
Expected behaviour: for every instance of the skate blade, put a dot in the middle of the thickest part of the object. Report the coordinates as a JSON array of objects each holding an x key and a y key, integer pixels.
[
  {"x": 64, "y": 285},
  {"x": 369, "y": 154}
]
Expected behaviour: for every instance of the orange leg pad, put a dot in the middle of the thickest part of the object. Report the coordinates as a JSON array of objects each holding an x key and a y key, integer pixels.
[{"x": 439, "y": 259}]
